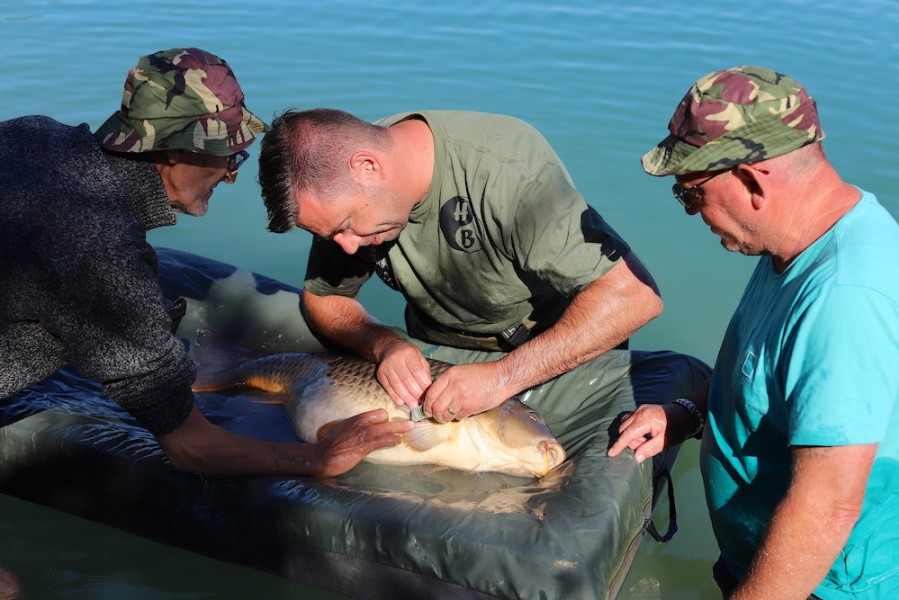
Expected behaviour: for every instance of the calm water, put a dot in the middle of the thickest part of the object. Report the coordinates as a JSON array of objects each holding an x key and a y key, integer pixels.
[{"x": 599, "y": 78}]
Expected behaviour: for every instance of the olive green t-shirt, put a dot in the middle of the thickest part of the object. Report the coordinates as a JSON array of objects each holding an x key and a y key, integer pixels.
[{"x": 502, "y": 235}]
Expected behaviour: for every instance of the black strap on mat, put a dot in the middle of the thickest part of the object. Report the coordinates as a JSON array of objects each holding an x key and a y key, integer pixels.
[{"x": 672, "y": 510}]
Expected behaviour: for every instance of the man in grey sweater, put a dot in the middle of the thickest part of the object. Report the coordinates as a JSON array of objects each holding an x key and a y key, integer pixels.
[{"x": 78, "y": 280}]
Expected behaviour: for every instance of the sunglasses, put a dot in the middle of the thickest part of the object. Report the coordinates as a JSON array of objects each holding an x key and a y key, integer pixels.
[
  {"x": 687, "y": 196},
  {"x": 237, "y": 159}
]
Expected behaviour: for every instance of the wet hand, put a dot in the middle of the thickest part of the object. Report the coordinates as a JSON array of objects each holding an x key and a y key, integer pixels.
[
  {"x": 404, "y": 373},
  {"x": 647, "y": 431},
  {"x": 465, "y": 390},
  {"x": 345, "y": 444}
]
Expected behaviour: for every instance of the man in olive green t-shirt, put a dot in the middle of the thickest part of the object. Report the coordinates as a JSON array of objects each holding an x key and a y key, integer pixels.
[{"x": 474, "y": 219}]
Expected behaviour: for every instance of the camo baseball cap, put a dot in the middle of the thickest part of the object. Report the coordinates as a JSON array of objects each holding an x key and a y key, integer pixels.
[
  {"x": 185, "y": 99},
  {"x": 735, "y": 116}
]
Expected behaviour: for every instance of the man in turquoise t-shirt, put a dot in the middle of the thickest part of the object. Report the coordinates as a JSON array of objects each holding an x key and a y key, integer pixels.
[
  {"x": 474, "y": 219},
  {"x": 799, "y": 466}
]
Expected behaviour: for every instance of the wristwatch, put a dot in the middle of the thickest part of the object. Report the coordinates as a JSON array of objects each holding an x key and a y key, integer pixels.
[{"x": 698, "y": 419}]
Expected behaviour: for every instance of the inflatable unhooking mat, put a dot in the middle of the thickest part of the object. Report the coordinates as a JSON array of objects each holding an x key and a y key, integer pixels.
[{"x": 377, "y": 531}]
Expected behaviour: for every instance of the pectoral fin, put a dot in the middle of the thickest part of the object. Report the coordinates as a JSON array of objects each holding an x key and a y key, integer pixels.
[
  {"x": 326, "y": 428},
  {"x": 427, "y": 434}
]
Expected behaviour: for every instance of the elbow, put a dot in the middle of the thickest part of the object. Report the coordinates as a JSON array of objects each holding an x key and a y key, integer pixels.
[
  {"x": 650, "y": 302},
  {"x": 652, "y": 297},
  {"x": 644, "y": 290},
  {"x": 656, "y": 306},
  {"x": 845, "y": 515}
]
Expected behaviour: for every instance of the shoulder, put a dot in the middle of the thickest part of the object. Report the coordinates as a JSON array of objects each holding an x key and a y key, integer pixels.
[
  {"x": 479, "y": 127},
  {"x": 38, "y": 135},
  {"x": 865, "y": 245},
  {"x": 32, "y": 122}
]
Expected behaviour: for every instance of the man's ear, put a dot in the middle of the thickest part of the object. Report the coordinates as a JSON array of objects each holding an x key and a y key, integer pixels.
[
  {"x": 171, "y": 156},
  {"x": 366, "y": 165},
  {"x": 756, "y": 181},
  {"x": 165, "y": 158}
]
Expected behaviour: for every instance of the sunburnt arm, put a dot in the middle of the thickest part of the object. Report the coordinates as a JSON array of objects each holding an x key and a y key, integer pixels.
[
  {"x": 811, "y": 524},
  {"x": 403, "y": 370},
  {"x": 599, "y": 318}
]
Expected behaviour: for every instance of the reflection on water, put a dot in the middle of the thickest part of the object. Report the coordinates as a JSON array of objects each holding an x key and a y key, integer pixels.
[{"x": 490, "y": 493}]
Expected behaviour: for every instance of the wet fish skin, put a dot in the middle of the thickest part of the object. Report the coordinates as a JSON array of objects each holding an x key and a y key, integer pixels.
[{"x": 323, "y": 388}]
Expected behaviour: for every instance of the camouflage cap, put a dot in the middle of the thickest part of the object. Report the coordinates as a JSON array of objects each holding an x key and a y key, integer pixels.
[
  {"x": 735, "y": 116},
  {"x": 185, "y": 99}
]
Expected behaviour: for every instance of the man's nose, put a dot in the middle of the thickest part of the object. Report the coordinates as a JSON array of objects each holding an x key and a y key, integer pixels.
[
  {"x": 347, "y": 241},
  {"x": 230, "y": 177}
]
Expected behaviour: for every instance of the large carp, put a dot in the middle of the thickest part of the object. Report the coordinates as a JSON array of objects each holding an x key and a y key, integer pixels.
[{"x": 323, "y": 388}]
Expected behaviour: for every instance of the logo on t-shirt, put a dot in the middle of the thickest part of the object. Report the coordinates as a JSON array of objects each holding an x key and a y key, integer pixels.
[{"x": 458, "y": 225}]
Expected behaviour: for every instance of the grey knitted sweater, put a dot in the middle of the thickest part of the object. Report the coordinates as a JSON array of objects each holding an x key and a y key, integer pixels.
[{"x": 78, "y": 280}]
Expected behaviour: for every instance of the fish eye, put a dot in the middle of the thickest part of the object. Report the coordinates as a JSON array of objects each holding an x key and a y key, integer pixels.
[{"x": 532, "y": 415}]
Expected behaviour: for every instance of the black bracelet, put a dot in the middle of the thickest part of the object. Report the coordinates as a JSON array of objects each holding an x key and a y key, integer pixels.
[{"x": 698, "y": 419}]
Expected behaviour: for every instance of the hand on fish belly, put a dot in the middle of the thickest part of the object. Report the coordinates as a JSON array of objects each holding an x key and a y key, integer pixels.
[
  {"x": 351, "y": 440},
  {"x": 324, "y": 389}
]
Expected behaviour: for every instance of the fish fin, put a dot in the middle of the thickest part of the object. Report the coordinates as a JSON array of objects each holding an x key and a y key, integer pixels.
[
  {"x": 213, "y": 349},
  {"x": 325, "y": 428},
  {"x": 211, "y": 381},
  {"x": 216, "y": 358},
  {"x": 273, "y": 400},
  {"x": 427, "y": 434}
]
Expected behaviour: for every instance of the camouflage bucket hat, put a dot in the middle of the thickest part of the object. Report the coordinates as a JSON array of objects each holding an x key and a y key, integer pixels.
[
  {"x": 735, "y": 116},
  {"x": 185, "y": 99}
]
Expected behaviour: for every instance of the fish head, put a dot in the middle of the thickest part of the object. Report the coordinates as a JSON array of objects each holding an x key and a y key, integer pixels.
[{"x": 519, "y": 436}]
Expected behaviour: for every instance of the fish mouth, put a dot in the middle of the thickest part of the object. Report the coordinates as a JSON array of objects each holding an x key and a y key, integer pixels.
[{"x": 553, "y": 455}]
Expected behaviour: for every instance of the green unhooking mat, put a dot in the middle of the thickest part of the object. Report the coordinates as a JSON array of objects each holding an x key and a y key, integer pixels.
[{"x": 377, "y": 531}]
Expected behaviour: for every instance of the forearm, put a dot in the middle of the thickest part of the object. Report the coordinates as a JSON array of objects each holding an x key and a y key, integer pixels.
[
  {"x": 345, "y": 322},
  {"x": 200, "y": 447},
  {"x": 811, "y": 524},
  {"x": 599, "y": 318}
]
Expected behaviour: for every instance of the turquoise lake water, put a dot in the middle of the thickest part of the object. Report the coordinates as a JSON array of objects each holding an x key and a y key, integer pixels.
[{"x": 600, "y": 79}]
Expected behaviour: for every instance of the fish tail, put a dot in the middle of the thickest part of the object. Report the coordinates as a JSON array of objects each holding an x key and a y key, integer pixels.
[
  {"x": 210, "y": 381},
  {"x": 217, "y": 361}
]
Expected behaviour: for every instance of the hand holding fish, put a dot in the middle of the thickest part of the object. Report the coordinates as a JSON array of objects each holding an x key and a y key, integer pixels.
[
  {"x": 465, "y": 390},
  {"x": 348, "y": 442},
  {"x": 404, "y": 373}
]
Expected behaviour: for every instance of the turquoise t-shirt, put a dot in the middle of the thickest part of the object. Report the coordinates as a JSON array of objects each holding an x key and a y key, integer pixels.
[{"x": 811, "y": 358}]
